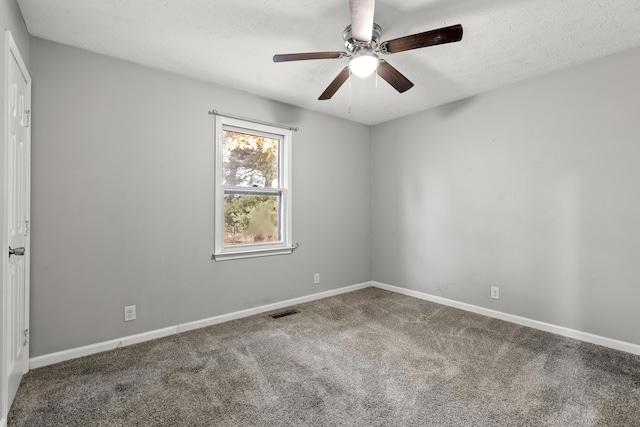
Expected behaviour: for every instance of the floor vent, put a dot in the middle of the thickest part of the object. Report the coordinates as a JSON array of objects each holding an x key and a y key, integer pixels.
[{"x": 284, "y": 313}]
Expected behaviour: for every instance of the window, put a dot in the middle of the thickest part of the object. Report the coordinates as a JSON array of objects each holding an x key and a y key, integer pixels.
[{"x": 252, "y": 189}]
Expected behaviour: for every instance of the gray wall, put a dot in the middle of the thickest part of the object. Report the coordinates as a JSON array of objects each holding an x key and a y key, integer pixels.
[
  {"x": 122, "y": 207},
  {"x": 532, "y": 188},
  {"x": 10, "y": 19}
]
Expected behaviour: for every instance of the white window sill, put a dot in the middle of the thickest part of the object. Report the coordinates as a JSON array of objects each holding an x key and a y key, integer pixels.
[{"x": 224, "y": 256}]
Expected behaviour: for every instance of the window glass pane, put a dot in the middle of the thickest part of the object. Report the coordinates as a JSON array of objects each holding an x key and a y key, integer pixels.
[
  {"x": 251, "y": 219},
  {"x": 250, "y": 160}
]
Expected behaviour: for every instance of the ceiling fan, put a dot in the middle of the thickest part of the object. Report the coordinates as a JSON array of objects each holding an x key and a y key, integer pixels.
[{"x": 362, "y": 41}]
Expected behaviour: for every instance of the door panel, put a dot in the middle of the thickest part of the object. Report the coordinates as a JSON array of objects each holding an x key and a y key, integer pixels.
[{"x": 16, "y": 278}]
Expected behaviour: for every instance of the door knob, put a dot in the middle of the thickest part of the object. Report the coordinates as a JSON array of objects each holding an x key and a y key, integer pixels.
[{"x": 16, "y": 251}]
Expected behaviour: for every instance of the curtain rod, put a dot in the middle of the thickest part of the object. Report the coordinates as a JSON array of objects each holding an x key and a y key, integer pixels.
[{"x": 232, "y": 116}]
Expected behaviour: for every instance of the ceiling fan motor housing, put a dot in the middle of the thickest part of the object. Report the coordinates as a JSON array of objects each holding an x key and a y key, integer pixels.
[{"x": 353, "y": 45}]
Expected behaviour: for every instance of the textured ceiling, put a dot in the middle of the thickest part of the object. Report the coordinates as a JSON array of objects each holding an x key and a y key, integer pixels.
[{"x": 231, "y": 42}]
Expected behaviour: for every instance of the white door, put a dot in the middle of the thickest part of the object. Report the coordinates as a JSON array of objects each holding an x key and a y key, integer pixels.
[{"x": 17, "y": 175}]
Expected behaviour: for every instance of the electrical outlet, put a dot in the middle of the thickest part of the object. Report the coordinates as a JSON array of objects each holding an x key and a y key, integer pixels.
[
  {"x": 129, "y": 313},
  {"x": 495, "y": 292},
  {"x": 316, "y": 278}
]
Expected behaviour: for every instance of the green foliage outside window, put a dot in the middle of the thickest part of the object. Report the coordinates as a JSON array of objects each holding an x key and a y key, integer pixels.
[{"x": 250, "y": 219}]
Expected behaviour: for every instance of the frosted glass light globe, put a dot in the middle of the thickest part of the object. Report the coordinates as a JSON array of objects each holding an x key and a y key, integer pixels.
[{"x": 363, "y": 65}]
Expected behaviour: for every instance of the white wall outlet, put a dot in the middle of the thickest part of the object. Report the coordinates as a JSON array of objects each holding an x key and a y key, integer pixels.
[
  {"x": 316, "y": 278},
  {"x": 129, "y": 313},
  {"x": 495, "y": 292}
]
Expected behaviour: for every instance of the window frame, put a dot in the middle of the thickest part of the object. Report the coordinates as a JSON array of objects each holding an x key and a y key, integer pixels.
[{"x": 285, "y": 244}]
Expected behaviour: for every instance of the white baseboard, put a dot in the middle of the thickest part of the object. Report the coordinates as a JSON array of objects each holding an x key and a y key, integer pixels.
[
  {"x": 559, "y": 330},
  {"x": 73, "y": 353},
  {"x": 263, "y": 308},
  {"x": 61, "y": 356}
]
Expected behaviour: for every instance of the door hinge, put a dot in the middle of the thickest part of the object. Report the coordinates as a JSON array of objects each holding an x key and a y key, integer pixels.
[
  {"x": 26, "y": 228},
  {"x": 26, "y": 337},
  {"x": 27, "y": 116}
]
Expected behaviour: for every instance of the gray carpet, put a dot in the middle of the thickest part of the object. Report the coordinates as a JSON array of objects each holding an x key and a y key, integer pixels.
[{"x": 366, "y": 358}]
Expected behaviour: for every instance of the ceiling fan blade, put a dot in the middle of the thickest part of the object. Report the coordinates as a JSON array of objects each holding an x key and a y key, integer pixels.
[
  {"x": 362, "y": 19},
  {"x": 335, "y": 84},
  {"x": 304, "y": 56},
  {"x": 428, "y": 38},
  {"x": 394, "y": 77}
]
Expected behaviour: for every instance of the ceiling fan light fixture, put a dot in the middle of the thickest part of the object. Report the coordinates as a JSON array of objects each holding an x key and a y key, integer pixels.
[
  {"x": 364, "y": 64},
  {"x": 362, "y": 42}
]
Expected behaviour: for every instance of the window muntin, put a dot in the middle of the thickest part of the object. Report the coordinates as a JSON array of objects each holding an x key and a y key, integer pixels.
[{"x": 253, "y": 205}]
